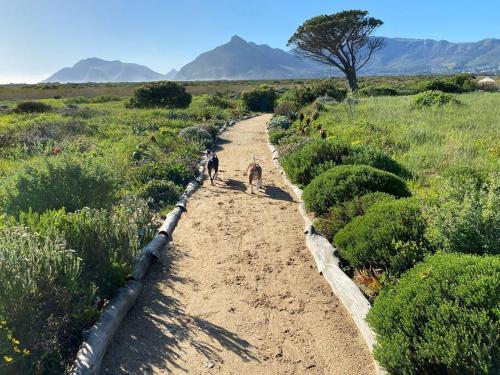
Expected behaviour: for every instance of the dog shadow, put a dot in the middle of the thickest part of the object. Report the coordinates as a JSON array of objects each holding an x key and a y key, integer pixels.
[
  {"x": 276, "y": 193},
  {"x": 232, "y": 184}
]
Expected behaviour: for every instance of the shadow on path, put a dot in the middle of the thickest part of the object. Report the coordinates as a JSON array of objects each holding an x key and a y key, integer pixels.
[{"x": 166, "y": 328}]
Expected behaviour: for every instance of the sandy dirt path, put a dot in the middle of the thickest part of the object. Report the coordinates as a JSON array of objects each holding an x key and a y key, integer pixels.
[{"x": 237, "y": 291}]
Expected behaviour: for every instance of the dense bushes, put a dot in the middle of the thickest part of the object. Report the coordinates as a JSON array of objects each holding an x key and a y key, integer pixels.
[
  {"x": 340, "y": 215},
  {"x": 32, "y": 107},
  {"x": 59, "y": 182},
  {"x": 198, "y": 135},
  {"x": 459, "y": 83},
  {"x": 160, "y": 193},
  {"x": 106, "y": 241},
  {"x": 288, "y": 109},
  {"x": 39, "y": 278},
  {"x": 466, "y": 217},
  {"x": 320, "y": 155},
  {"x": 441, "y": 318},
  {"x": 56, "y": 268},
  {"x": 433, "y": 98},
  {"x": 377, "y": 91},
  {"x": 162, "y": 95},
  {"x": 304, "y": 95},
  {"x": 391, "y": 236},
  {"x": 262, "y": 99},
  {"x": 217, "y": 99},
  {"x": 279, "y": 122},
  {"x": 174, "y": 171},
  {"x": 342, "y": 183}
]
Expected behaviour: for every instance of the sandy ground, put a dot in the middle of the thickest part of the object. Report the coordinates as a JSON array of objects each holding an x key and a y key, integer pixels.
[{"x": 237, "y": 291}]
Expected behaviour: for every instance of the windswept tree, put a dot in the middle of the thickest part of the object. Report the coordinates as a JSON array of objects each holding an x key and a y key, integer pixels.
[{"x": 341, "y": 39}]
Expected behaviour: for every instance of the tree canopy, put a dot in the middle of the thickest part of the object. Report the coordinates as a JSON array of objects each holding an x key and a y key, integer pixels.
[{"x": 341, "y": 39}]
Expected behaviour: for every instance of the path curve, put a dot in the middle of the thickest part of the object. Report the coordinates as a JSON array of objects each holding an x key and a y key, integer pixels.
[{"x": 237, "y": 291}]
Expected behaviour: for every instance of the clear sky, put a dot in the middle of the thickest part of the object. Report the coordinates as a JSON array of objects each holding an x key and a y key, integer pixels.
[{"x": 38, "y": 37}]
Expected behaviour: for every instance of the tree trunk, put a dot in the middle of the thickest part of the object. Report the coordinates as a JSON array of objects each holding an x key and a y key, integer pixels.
[{"x": 352, "y": 79}]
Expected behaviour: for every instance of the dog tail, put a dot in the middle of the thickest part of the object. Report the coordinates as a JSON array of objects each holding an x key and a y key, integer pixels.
[{"x": 253, "y": 157}]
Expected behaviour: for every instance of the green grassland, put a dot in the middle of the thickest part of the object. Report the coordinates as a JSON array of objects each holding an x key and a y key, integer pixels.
[{"x": 430, "y": 143}]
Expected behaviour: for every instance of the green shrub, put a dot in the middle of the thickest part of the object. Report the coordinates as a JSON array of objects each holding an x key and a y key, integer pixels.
[
  {"x": 161, "y": 95},
  {"x": 463, "y": 82},
  {"x": 339, "y": 216},
  {"x": 433, "y": 98},
  {"x": 175, "y": 171},
  {"x": 40, "y": 291},
  {"x": 160, "y": 193},
  {"x": 276, "y": 135},
  {"x": 320, "y": 155},
  {"x": 342, "y": 183},
  {"x": 262, "y": 99},
  {"x": 212, "y": 129},
  {"x": 441, "y": 318},
  {"x": 106, "y": 241},
  {"x": 58, "y": 182},
  {"x": 391, "y": 236},
  {"x": 279, "y": 122},
  {"x": 217, "y": 99},
  {"x": 32, "y": 107},
  {"x": 329, "y": 88},
  {"x": 326, "y": 100},
  {"x": 377, "y": 91},
  {"x": 288, "y": 109},
  {"x": 466, "y": 217},
  {"x": 197, "y": 135},
  {"x": 300, "y": 96}
]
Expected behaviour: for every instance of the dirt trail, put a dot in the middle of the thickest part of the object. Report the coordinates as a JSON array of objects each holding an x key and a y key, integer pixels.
[{"x": 237, "y": 291}]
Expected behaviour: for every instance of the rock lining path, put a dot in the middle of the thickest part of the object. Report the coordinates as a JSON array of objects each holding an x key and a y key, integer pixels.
[{"x": 237, "y": 291}]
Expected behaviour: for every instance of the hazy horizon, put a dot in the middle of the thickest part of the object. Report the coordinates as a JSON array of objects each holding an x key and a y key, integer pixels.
[{"x": 54, "y": 34}]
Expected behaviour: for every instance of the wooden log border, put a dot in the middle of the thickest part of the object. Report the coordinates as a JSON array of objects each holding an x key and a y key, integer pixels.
[
  {"x": 91, "y": 353},
  {"x": 327, "y": 262}
]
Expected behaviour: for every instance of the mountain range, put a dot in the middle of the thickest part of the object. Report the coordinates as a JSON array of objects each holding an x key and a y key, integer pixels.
[{"x": 242, "y": 60}]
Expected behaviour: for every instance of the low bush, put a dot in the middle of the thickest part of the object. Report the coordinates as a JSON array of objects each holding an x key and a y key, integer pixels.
[
  {"x": 390, "y": 236},
  {"x": 320, "y": 155},
  {"x": 262, "y": 99},
  {"x": 343, "y": 183},
  {"x": 212, "y": 129},
  {"x": 279, "y": 122},
  {"x": 377, "y": 91},
  {"x": 175, "y": 171},
  {"x": 326, "y": 100},
  {"x": 459, "y": 83},
  {"x": 300, "y": 96},
  {"x": 288, "y": 109},
  {"x": 160, "y": 194},
  {"x": 165, "y": 94},
  {"x": 197, "y": 135},
  {"x": 74, "y": 110},
  {"x": 440, "y": 318},
  {"x": 217, "y": 99},
  {"x": 329, "y": 88},
  {"x": 466, "y": 216},
  {"x": 433, "y": 98},
  {"x": 276, "y": 135},
  {"x": 39, "y": 294},
  {"x": 59, "y": 182},
  {"x": 105, "y": 240},
  {"x": 339, "y": 216},
  {"x": 32, "y": 107}
]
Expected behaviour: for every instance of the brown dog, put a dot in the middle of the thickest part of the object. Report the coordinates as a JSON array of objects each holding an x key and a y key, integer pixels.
[{"x": 254, "y": 172}]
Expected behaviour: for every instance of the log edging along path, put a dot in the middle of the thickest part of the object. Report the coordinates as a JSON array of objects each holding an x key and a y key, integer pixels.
[
  {"x": 328, "y": 265},
  {"x": 91, "y": 353}
]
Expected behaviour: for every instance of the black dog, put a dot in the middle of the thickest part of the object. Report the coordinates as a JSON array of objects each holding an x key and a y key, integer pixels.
[{"x": 212, "y": 165}]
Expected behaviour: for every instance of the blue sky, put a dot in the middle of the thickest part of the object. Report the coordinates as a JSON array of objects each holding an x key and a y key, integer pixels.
[{"x": 39, "y": 37}]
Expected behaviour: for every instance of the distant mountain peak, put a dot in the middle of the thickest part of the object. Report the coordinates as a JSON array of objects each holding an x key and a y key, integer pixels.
[
  {"x": 237, "y": 39},
  {"x": 95, "y": 69}
]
